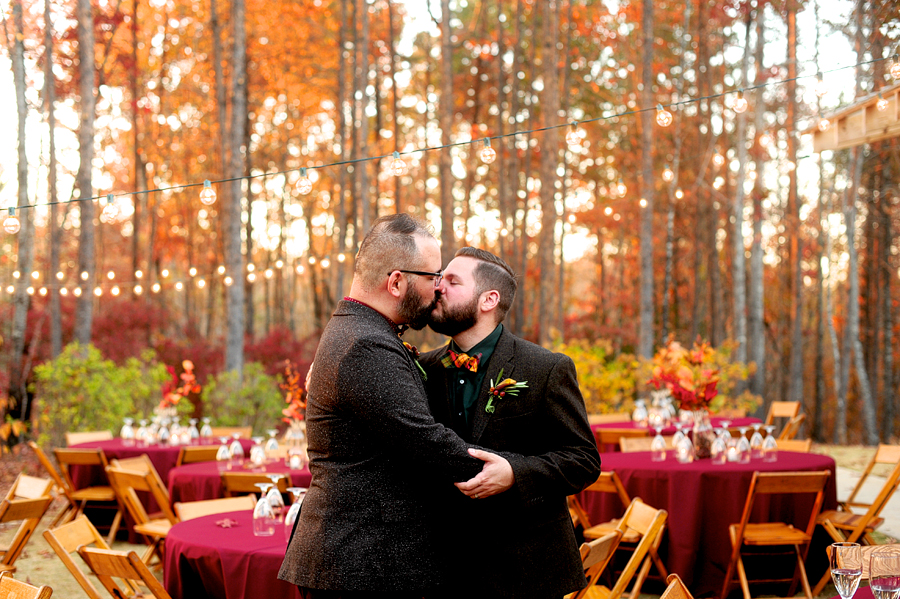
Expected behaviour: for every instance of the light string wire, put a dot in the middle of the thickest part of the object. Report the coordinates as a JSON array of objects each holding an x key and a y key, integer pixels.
[{"x": 185, "y": 186}]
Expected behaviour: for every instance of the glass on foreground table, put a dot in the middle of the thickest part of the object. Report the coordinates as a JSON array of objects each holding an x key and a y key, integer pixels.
[
  {"x": 263, "y": 515},
  {"x": 294, "y": 511},
  {"x": 846, "y": 568},
  {"x": 884, "y": 572}
]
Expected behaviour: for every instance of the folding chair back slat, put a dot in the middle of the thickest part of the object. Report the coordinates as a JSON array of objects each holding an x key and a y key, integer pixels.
[
  {"x": 16, "y": 589},
  {"x": 196, "y": 509},
  {"x": 609, "y": 482},
  {"x": 650, "y": 523},
  {"x": 613, "y": 418},
  {"x": 611, "y": 436},
  {"x": 789, "y": 482},
  {"x": 127, "y": 482},
  {"x": 108, "y": 564},
  {"x": 795, "y": 445},
  {"x": 676, "y": 589},
  {"x": 192, "y": 455},
  {"x": 87, "y": 437},
  {"x": 29, "y": 512},
  {"x": 226, "y": 431},
  {"x": 30, "y": 487},
  {"x": 79, "y": 498},
  {"x": 782, "y": 409},
  {"x": 792, "y": 427},
  {"x": 595, "y": 556},
  {"x": 245, "y": 482},
  {"x": 633, "y": 444}
]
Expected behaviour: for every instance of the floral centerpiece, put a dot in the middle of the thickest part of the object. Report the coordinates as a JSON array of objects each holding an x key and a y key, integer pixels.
[
  {"x": 177, "y": 389},
  {"x": 295, "y": 397},
  {"x": 692, "y": 380}
]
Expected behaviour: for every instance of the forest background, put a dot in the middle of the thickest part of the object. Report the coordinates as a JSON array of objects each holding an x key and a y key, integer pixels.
[{"x": 313, "y": 117}]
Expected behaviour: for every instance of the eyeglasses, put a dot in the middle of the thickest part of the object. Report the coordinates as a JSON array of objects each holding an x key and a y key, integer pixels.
[{"x": 437, "y": 275}]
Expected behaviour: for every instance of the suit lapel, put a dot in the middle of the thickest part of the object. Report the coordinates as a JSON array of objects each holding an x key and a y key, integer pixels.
[
  {"x": 441, "y": 395},
  {"x": 500, "y": 360}
]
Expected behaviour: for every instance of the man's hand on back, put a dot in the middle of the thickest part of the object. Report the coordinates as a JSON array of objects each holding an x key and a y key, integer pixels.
[{"x": 495, "y": 477}]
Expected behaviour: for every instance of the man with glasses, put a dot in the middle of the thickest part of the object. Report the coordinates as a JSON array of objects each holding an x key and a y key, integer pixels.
[
  {"x": 511, "y": 538},
  {"x": 377, "y": 456}
]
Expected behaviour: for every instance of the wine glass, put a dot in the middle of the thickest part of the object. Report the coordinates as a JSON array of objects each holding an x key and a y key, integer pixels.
[
  {"x": 770, "y": 446},
  {"x": 223, "y": 454},
  {"x": 142, "y": 434},
  {"x": 658, "y": 446},
  {"x": 719, "y": 449},
  {"x": 192, "y": 429},
  {"x": 127, "y": 432},
  {"x": 206, "y": 430},
  {"x": 846, "y": 568},
  {"x": 257, "y": 453},
  {"x": 163, "y": 435},
  {"x": 640, "y": 414},
  {"x": 274, "y": 496},
  {"x": 237, "y": 450},
  {"x": 294, "y": 511},
  {"x": 884, "y": 573},
  {"x": 295, "y": 459},
  {"x": 271, "y": 442},
  {"x": 684, "y": 451},
  {"x": 679, "y": 434},
  {"x": 263, "y": 516},
  {"x": 743, "y": 446},
  {"x": 756, "y": 442}
]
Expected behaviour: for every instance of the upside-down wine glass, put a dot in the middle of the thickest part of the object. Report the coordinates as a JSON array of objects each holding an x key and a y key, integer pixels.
[
  {"x": 658, "y": 446},
  {"x": 263, "y": 516},
  {"x": 223, "y": 454},
  {"x": 142, "y": 434},
  {"x": 274, "y": 496},
  {"x": 743, "y": 446},
  {"x": 884, "y": 572},
  {"x": 194, "y": 432},
  {"x": 294, "y": 511},
  {"x": 206, "y": 430},
  {"x": 127, "y": 432},
  {"x": 271, "y": 443},
  {"x": 237, "y": 451},
  {"x": 756, "y": 442},
  {"x": 846, "y": 568},
  {"x": 770, "y": 445},
  {"x": 719, "y": 450},
  {"x": 679, "y": 434}
]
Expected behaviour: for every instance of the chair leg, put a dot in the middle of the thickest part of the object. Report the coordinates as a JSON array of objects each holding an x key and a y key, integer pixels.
[
  {"x": 804, "y": 581},
  {"x": 64, "y": 516},
  {"x": 114, "y": 527},
  {"x": 742, "y": 576},
  {"x": 821, "y": 584}
]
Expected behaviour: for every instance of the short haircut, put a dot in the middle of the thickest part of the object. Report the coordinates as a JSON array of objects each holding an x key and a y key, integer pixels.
[
  {"x": 389, "y": 245},
  {"x": 494, "y": 273}
]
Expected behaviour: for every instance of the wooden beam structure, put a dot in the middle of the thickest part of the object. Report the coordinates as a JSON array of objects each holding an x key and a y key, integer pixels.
[{"x": 860, "y": 123}]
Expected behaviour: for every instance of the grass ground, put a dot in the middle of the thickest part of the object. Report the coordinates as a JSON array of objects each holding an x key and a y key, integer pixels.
[{"x": 39, "y": 565}]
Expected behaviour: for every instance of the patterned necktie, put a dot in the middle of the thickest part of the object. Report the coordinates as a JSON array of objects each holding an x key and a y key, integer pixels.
[{"x": 460, "y": 360}]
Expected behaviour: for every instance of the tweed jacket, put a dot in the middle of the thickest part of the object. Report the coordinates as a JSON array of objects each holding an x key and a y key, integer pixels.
[
  {"x": 520, "y": 543},
  {"x": 376, "y": 457}
]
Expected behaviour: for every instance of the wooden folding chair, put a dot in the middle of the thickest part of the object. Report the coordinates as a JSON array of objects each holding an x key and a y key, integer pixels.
[
  {"x": 610, "y": 436},
  {"x": 633, "y": 444},
  {"x": 676, "y": 589},
  {"x": 226, "y": 431},
  {"x": 885, "y": 454},
  {"x": 197, "y": 509},
  {"x": 792, "y": 427},
  {"x": 108, "y": 564},
  {"x": 609, "y": 482},
  {"x": 16, "y": 589},
  {"x": 27, "y": 501},
  {"x": 60, "y": 485},
  {"x": 595, "y": 555},
  {"x": 795, "y": 445},
  {"x": 200, "y": 453},
  {"x": 126, "y": 484},
  {"x": 613, "y": 418},
  {"x": 87, "y": 437},
  {"x": 773, "y": 534},
  {"x": 66, "y": 540},
  {"x": 240, "y": 483},
  {"x": 844, "y": 525},
  {"x": 782, "y": 409},
  {"x": 79, "y": 498}
]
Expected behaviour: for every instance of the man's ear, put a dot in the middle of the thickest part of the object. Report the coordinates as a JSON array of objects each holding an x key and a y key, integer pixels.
[
  {"x": 396, "y": 284},
  {"x": 489, "y": 300}
]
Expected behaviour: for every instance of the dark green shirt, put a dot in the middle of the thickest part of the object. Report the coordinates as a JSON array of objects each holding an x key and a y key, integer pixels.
[{"x": 464, "y": 385}]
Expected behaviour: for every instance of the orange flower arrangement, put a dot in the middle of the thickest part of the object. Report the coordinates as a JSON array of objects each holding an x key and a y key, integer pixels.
[
  {"x": 687, "y": 374},
  {"x": 295, "y": 394},
  {"x": 179, "y": 387}
]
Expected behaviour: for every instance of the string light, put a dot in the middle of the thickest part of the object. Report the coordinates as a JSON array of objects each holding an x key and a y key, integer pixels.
[
  {"x": 207, "y": 194},
  {"x": 821, "y": 88},
  {"x": 326, "y": 262},
  {"x": 155, "y": 288},
  {"x": 824, "y": 124},
  {"x": 11, "y": 224},
  {"x": 882, "y": 103},
  {"x": 77, "y": 292},
  {"x": 64, "y": 292},
  {"x": 765, "y": 140},
  {"x": 138, "y": 290},
  {"x": 35, "y": 275},
  {"x": 279, "y": 264},
  {"x": 679, "y": 193},
  {"x": 251, "y": 267},
  {"x": 300, "y": 269},
  {"x": 643, "y": 203},
  {"x": 663, "y": 116},
  {"x": 620, "y": 188},
  {"x": 192, "y": 271},
  {"x": 221, "y": 270},
  {"x": 110, "y": 275},
  {"x": 668, "y": 174},
  {"x": 740, "y": 103},
  {"x": 398, "y": 166},
  {"x": 251, "y": 277},
  {"x": 165, "y": 273},
  {"x": 84, "y": 275},
  {"x": 312, "y": 260},
  {"x": 110, "y": 211},
  {"x": 16, "y": 274},
  {"x": 269, "y": 273},
  {"x": 487, "y": 153},
  {"x": 341, "y": 257},
  {"x": 98, "y": 291},
  {"x": 895, "y": 68},
  {"x": 718, "y": 159},
  {"x": 138, "y": 274},
  {"x": 10, "y": 289},
  {"x": 304, "y": 185},
  {"x": 574, "y": 136},
  {"x": 115, "y": 290},
  {"x": 607, "y": 211},
  {"x": 201, "y": 283},
  {"x": 179, "y": 286},
  {"x": 228, "y": 281},
  {"x": 60, "y": 276},
  {"x": 30, "y": 291}
]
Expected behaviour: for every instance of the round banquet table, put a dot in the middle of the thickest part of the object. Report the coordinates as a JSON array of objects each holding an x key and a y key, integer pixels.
[
  {"x": 716, "y": 422},
  {"x": 207, "y": 561},
  {"x": 193, "y": 482},
  {"x": 702, "y": 500}
]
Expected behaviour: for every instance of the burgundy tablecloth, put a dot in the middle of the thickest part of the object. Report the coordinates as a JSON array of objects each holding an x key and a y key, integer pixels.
[
  {"x": 203, "y": 480},
  {"x": 205, "y": 561},
  {"x": 863, "y": 592},
  {"x": 702, "y": 500}
]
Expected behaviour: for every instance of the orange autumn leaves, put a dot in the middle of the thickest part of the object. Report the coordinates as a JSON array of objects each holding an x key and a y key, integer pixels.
[
  {"x": 295, "y": 394},
  {"x": 173, "y": 392},
  {"x": 688, "y": 374}
]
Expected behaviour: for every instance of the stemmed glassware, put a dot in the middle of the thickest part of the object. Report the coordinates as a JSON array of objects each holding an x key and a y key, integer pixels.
[
  {"x": 271, "y": 443},
  {"x": 684, "y": 450},
  {"x": 846, "y": 568},
  {"x": 257, "y": 453},
  {"x": 719, "y": 450},
  {"x": 679, "y": 434},
  {"x": 163, "y": 434},
  {"x": 127, "y": 432},
  {"x": 770, "y": 446},
  {"x": 142, "y": 436},
  {"x": 274, "y": 496},
  {"x": 658, "y": 446},
  {"x": 237, "y": 451},
  {"x": 206, "y": 430},
  {"x": 223, "y": 455},
  {"x": 264, "y": 520},
  {"x": 640, "y": 414},
  {"x": 884, "y": 572},
  {"x": 294, "y": 511},
  {"x": 743, "y": 446},
  {"x": 756, "y": 442},
  {"x": 194, "y": 432}
]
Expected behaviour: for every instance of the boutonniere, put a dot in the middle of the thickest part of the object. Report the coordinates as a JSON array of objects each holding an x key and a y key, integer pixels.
[
  {"x": 414, "y": 352},
  {"x": 503, "y": 388}
]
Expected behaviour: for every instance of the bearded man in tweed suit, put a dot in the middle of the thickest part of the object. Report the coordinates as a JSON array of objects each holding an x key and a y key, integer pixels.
[
  {"x": 519, "y": 543},
  {"x": 376, "y": 454}
]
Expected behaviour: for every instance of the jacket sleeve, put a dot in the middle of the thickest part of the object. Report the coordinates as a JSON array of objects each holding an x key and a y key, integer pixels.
[{"x": 572, "y": 463}]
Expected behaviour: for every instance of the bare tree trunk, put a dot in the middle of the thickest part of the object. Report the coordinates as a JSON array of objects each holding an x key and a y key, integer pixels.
[
  {"x": 445, "y": 117},
  {"x": 398, "y": 201},
  {"x": 367, "y": 201},
  {"x": 888, "y": 415},
  {"x": 795, "y": 377},
  {"x": 53, "y": 226},
  {"x": 564, "y": 109},
  {"x": 503, "y": 200},
  {"x": 86, "y": 257},
  {"x": 738, "y": 264},
  {"x": 234, "y": 350},
  {"x": 517, "y": 316},
  {"x": 343, "y": 139},
  {"x": 645, "y": 339},
  {"x": 756, "y": 333}
]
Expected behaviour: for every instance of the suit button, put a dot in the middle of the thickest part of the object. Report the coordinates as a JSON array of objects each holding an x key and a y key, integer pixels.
[{"x": 462, "y": 382}]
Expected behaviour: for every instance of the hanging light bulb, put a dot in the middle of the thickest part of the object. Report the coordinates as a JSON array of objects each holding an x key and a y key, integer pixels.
[
  {"x": 84, "y": 275},
  {"x": 487, "y": 153},
  {"x": 16, "y": 274},
  {"x": 115, "y": 290},
  {"x": 251, "y": 267},
  {"x": 63, "y": 291},
  {"x": 98, "y": 291},
  {"x": 326, "y": 262},
  {"x": 156, "y": 287},
  {"x": 179, "y": 286},
  {"x": 341, "y": 258},
  {"x": 300, "y": 269},
  {"x": 269, "y": 273},
  {"x": 221, "y": 270},
  {"x": 138, "y": 274},
  {"x": 11, "y": 224},
  {"x": 895, "y": 68},
  {"x": 765, "y": 140},
  {"x": 164, "y": 273},
  {"x": 304, "y": 185},
  {"x": 643, "y": 202},
  {"x": 398, "y": 166},
  {"x": 138, "y": 290},
  {"x": 207, "y": 194},
  {"x": 821, "y": 88},
  {"x": 668, "y": 174},
  {"x": 620, "y": 188},
  {"x": 607, "y": 211},
  {"x": 60, "y": 276},
  {"x": 228, "y": 281},
  {"x": 718, "y": 159},
  {"x": 35, "y": 275},
  {"x": 824, "y": 124},
  {"x": 110, "y": 211},
  {"x": 110, "y": 275},
  {"x": 882, "y": 103},
  {"x": 30, "y": 291},
  {"x": 279, "y": 264},
  {"x": 740, "y": 103},
  {"x": 312, "y": 259},
  {"x": 10, "y": 289},
  {"x": 573, "y": 137},
  {"x": 251, "y": 277},
  {"x": 201, "y": 283},
  {"x": 192, "y": 271},
  {"x": 77, "y": 292},
  {"x": 663, "y": 116}
]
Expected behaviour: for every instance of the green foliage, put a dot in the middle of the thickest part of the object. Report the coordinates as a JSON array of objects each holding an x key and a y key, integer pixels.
[
  {"x": 256, "y": 401},
  {"x": 81, "y": 390},
  {"x": 610, "y": 383}
]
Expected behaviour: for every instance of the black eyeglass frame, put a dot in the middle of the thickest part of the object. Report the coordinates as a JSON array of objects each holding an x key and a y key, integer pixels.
[{"x": 437, "y": 275}]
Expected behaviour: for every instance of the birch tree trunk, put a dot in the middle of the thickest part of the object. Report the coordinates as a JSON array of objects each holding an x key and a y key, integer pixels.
[
  {"x": 795, "y": 377},
  {"x": 445, "y": 118},
  {"x": 738, "y": 264},
  {"x": 53, "y": 225},
  {"x": 756, "y": 333},
  {"x": 645, "y": 334},
  {"x": 367, "y": 201}
]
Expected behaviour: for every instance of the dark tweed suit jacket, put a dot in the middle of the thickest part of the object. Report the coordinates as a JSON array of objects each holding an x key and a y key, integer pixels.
[
  {"x": 376, "y": 457},
  {"x": 520, "y": 543}
]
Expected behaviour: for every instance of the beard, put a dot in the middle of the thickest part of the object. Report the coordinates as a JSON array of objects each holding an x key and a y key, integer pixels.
[
  {"x": 414, "y": 310},
  {"x": 454, "y": 320}
]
